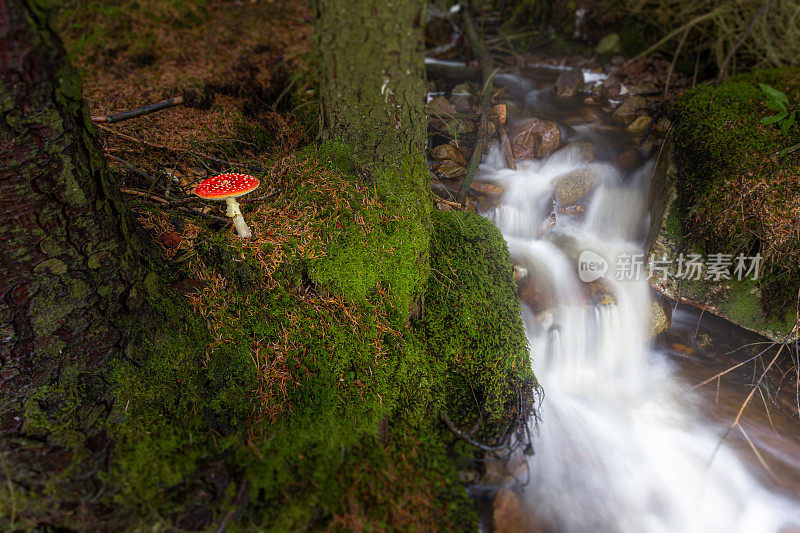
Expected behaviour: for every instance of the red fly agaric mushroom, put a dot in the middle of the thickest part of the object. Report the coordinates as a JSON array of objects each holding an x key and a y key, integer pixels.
[{"x": 228, "y": 187}]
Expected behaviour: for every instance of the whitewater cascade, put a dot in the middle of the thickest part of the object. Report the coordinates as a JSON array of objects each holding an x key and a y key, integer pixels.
[{"x": 621, "y": 447}]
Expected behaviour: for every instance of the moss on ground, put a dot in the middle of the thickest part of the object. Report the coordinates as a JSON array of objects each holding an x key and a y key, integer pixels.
[
  {"x": 315, "y": 400},
  {"x": 736, "y": 194}
]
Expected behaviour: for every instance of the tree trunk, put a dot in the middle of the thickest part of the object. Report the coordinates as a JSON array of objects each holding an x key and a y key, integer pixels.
[
  {"x": 69, "y": 280},
  {"x": 373, "y": 76}
]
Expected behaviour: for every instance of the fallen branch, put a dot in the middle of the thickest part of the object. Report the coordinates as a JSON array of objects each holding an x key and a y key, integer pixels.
[{"x": 134, "y": 113}]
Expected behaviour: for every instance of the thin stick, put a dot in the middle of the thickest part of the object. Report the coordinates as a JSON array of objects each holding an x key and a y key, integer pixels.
[{"x": 134, "y": 113}]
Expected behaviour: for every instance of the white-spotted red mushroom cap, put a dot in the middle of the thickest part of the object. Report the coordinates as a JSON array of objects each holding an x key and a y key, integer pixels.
[{"x": 226, "y": 186}]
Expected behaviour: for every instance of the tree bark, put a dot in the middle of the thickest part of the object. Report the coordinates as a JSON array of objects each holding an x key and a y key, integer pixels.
[
  {"x": 372, "y": 73},
  {"x": 70, "y": 282}
]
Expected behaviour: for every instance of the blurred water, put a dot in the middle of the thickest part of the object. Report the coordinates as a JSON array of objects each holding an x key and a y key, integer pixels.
[{"x": 621, "y": 447}]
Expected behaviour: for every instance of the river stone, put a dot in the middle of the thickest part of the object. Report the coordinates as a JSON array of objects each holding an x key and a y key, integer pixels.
[
  {"x": 599, "y": 292},
  {"x": 643, "y": 89},
  {"x": 627, "y": 111},
  {"x": 639, "y": 126},
  {"x": 450, "y": 170},
  {"x": 575, "y": 186},
  {"x": 461, "y": 98},
  {"x": 486, "y": 189},
  {"x": 660, "y": 317},
  {"x": 445, "y": 152},
  {"x": 569, "y": 82},
  {"x": 629, "y": 160},
  {"x": 585, "y": 150},
  {"x": 535, "y": 138}
]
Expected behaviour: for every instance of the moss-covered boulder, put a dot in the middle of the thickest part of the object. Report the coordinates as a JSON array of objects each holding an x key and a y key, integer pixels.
[
  {"x": 339, "y": 336},
  {"x": 726, "y": 185}
]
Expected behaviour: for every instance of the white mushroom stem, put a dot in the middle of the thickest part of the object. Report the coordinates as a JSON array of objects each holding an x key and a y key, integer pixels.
[{"x": 242, "y": 229}]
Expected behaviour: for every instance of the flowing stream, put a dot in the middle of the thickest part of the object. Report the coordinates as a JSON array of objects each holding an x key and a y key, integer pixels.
[{"x": 623, "y": 445}]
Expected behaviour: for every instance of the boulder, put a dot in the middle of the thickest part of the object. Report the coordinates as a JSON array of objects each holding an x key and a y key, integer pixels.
[
  {"x": 535, "y": 138},
  {"x": 445, "y": 152},
  {"x": 575, "y": 186},
  {"x": 569, "y": 82},
  {"x": 629, "y": 109}
]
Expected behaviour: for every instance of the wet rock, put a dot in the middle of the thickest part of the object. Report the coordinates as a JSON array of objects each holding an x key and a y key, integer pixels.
[
  {"x": 639, "y": 126},
  {"x": 629, "y": 160},
  {"x": 569, "y": 82},
  {"x": 441, "y": 108},
  {"x": 535, "y": 138},
  {"x": 644, "y": 89},
  {"x": 450, "y": 170},
  {"x": 610, "y": 44},
  {"x": 461, "y": 98},
  {"x": 660, "y": 317},
  {"x": 629, "y": 109},
  {"x": 663, "y": 125},
  {"x": 599, "y": 292},
  {"x": 575, "y": 186},
  {"x": 533, "y": 295},
  {"x": 486, "y": 189},
  {"x": 448, "y": 152},
  {"x": 586, "y": 151},
  {"x": 509, "y": 514},
  {"x": 571, "y": 210},
  {"x": 583, "y": 115}
]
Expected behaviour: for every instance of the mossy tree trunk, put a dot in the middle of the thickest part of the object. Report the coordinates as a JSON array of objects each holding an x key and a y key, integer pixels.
[
  {"x": 72, "y": 281},
  {"x": 372, "y": 76}
]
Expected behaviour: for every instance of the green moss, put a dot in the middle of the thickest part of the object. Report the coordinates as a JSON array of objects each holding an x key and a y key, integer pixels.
[
  {"x": 735, "y": 194},
  {"x": 472, "y": 316},
  {"x": 339, "y": 423}
]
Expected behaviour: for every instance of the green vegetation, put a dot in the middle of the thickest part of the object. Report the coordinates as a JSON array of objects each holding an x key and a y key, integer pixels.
[
  {"x": 314, "y": 396},
  {"x": 737, "y": 193},
  {"x": 778, "y": 101}
]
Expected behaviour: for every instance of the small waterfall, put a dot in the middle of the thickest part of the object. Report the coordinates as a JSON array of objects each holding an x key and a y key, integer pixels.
[{"x": 621, "y": 447}]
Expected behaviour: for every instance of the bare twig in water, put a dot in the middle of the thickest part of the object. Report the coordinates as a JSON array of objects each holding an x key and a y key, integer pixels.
[{"x": 134, "y": 113}]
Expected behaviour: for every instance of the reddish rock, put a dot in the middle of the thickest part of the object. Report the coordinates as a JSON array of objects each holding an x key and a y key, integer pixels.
[{"x": 535, "y": 138}]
